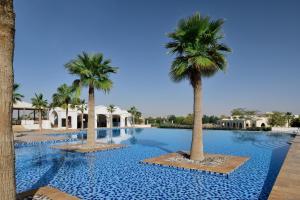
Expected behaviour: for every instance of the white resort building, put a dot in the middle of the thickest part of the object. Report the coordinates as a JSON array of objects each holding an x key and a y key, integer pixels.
[
  {"x": 236, "y": 122},
  {"x": 26, "y": 115},
  {"x": 120, "y": 118}
]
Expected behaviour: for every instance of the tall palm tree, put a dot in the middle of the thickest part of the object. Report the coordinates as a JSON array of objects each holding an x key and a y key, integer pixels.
[
  {"x": 93, "y": 72},
  {"x": 16, "y": 96},
  {"x": 63, "y": 98},
  {"x": 199, "y": 53},
  {"x": 80, "y": 105},
  {"x": 111, "y": 109},
  {"x": 39, "y": 103},
  {"x": 133, "y": 111},
  {"x": 7, "y": 157}
]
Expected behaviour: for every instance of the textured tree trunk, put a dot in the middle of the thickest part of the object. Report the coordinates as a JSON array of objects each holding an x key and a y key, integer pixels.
[
  {"x": 111, "y": 121},
  {"x": 67, "y": 118},
  {"x": 133, "y": 123},
  {"x": 81, "y": 120},
  {"x": 40, "y": 120},
  {"x": 91, "y": 117},
  {"x": 197, "y": 138},
  {"x": 7, "y": 158}
]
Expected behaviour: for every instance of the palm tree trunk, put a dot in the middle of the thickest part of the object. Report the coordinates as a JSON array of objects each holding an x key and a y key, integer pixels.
[
  {"x": 133, "y": 123},
  {"x": 40, "y": 120},
  {"x": 91, "y": 117},
  {"x": 7, "y": 158},
  {"x": 111, "y": 121},
  {"x": 197, "y": 138},
  {"x": 67, "y": 118},
  {"x": 81, "y": 120}
]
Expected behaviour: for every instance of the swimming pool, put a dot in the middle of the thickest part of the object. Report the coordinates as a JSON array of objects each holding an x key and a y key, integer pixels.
[{"x": 118, "y": 174}]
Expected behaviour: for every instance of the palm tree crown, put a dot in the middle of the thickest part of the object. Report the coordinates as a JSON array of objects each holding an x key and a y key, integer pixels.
[
  {"x": 111, "y": 108},
  {"x": 133, "y": 110},
  {"x": 39, "y": 102},
  {"x": 196, "y": 44},
  {"x": 16, "y": 96},
  {"x": 79, "y": 104},
  {"x": 63, "y": 96},
  {"x": 93, "y": 70}
]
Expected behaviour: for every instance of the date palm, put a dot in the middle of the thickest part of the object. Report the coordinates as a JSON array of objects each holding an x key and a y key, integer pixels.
[
  {"x": 62, "y": 98},
  {"x": 80, "y": 105},
  {"x": 39, "y": 103},
  {"x": 111, "y": 109},
  {"x": 16, "y": 96},
  {"x": 196, "y": 42},
  {"x": 94, "y": 72},
  {"x": 133, "y": 111},
  {"x": 7, "y": 157}
]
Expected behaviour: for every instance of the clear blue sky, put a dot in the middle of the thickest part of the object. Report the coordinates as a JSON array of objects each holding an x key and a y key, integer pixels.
[{"x": 263, "y": 71}]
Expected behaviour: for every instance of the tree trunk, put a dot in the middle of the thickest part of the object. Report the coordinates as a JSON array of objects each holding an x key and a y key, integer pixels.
[
  {"x": 40, "y": 120},
  {"x": 81, "y": 120},
  {"x": 7, "y": 158},
  {"x": 197, "y": 138},
  {"x": 111, "y": 121},
  {"x": 91, "y": 117},
  {"x": 133, "y": 123},
  {"x": 67, "y": 118}
]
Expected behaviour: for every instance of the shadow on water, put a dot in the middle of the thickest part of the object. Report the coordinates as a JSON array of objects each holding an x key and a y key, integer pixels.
[
  {"x": 150, "y": 143},
  {"x": 68, "y": 159},
  {"x": 277, "y": 158},
  {"x": 241, "y": 137},
  {"x": 50, "y": 174}
]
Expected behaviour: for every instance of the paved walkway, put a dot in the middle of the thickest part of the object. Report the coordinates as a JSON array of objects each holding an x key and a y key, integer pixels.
[
  {"x": 46, "y": 193},
  {"x": 287, "y": 185}
]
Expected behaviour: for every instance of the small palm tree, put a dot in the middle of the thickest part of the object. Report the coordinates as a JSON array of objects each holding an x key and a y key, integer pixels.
[
  {"x": 199, "y": 53},
  {"x": 93, "y": 72},
  {"x": 111, "y": 109},
  {"x": 62, "y": 98},
  {"x": 133, "y": 111},
  {"x": 289, "y": 117},
  {"x": 80, "y": 105},
  {"x": 39, "y": 103},
  {"x": 16, "y": 96}
]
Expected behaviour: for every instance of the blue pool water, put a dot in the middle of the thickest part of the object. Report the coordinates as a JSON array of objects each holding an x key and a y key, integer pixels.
[{"x": 118, "y": 174}]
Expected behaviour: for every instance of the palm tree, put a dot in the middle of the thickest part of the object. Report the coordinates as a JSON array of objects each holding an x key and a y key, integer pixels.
[
  {"x": 199, "y": 53},
  {"x": 289, "y": 117},
  {"x": 93, "y": 72},
  {"x": 133, "y": 111},
  {"x": 111, "y": 109},
  {"x": 80, "y": 105},
  {"x": 7, "y": 157},
  {"x": 39, "y": 103},
  {"x": 62, "y": 98},
  {"x": 16, "y": 96}
]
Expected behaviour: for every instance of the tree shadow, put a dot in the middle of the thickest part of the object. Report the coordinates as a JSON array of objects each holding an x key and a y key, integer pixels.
[{"x": 151, "y": 143}]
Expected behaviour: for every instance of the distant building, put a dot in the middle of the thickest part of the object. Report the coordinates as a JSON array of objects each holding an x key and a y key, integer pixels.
[
  {"x": 27, "y": 115},
  {"x": 120, "y": 118},
  {"x": 237, "y": 122},
  {"x": 244, "y": 122}
]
